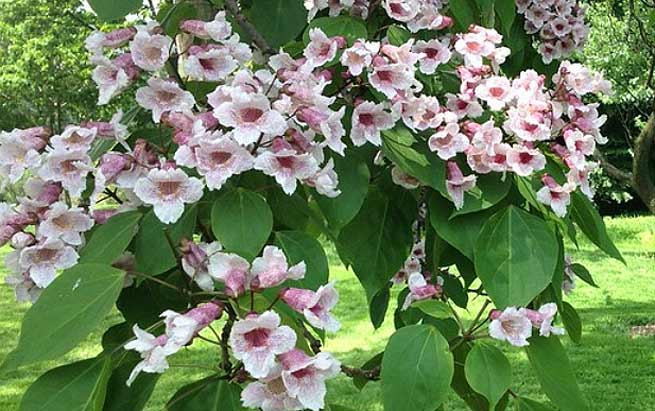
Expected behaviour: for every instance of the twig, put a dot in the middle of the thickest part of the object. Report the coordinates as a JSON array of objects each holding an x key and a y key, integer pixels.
[
  {"x": 257, "y": 38},
  {"x": 372, "y": 374},
  {"x": 157, "y": 280}
]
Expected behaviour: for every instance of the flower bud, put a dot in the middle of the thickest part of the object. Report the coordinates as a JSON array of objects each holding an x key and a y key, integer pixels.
[
  {"x": 118, "y": 37},
  {"x": 21, "y": 240},
  {"x": 101, "y": 216},
  {"x": 50, "y": 193},
  {"x": 195, "y": 27}
]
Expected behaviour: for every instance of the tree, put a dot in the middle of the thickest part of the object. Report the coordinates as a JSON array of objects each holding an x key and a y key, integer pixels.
[{"x": 406, "y": 133}]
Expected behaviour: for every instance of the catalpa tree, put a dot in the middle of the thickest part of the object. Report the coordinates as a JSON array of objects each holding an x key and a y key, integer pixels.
[{"x": 442, "y": 148}]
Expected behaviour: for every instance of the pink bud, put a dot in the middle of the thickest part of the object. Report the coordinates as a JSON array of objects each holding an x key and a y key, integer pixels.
[
  {"x": 297, "y": 298},
  {"x": 101, "y": 216},
  {"x": 119, "y": 37},
  {"x": 178, "y": 121},
  {"x": 446, "y": 22},
  {"x": 341, "y": 41},
  {"x": 112, "y": 164},
  {"x": 204, "y": 314},
  {"x": 549, "y": 181},
  {"x": 325, "y": 75},
  {"x": 6, "y": 233},
  {"x": 195, "y": 27},
  {"x": 208, "y": 120},
  {"x": 454, "y": 172},
  {"x": 125, "y": 62},
  {"x": 104, "y": 129},
  {"x": 36, "y": 137},
  {"x": 312, "y": 117},
  {"x": 495, "y": 314},
  {"x": 193, "y": 254},
  {"x": 294, "y": 359},
  {"x": 379, "y": 61},
  {"x": 280, "y": 144},
  {"x": 50, "y": 193}
]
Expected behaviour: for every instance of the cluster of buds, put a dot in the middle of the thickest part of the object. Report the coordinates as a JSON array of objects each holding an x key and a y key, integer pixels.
[
  {"x": 516, "y": 325},
  {"x": 559, "y": 24}
]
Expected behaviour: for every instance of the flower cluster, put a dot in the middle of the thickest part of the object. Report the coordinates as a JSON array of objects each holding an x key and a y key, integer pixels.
[
  {"x": 418, "y": 14},
  {"x": 357, "y": 8},
  {"x": 515, "y": 325},
  {"x": 559, "y": 24},
  {"x": 180, "y": 331}
]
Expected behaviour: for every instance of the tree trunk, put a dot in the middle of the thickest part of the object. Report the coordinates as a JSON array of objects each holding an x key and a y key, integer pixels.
[{"x": 642, "y": 175}]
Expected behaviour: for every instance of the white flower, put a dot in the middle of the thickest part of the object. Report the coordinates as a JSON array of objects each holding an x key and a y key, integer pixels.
[
  {"x": 209, "y": 64},
  {"x": 457, "y": 184},
  {"x": 74, "y": 138},
  {"x": 16, "y": 156},
  {"x": 153, "y": 351},
  {"x": 219, "y": 159},
  {"x": 547, "y": 312},
  {"x": 272, "y": 269},
  {"x": 250, "y": 115},
  {"x": 167, "y": 191},
  {"x": 69, "y": 167},
  {"x": 24, "y": 288},
  {"x": 554, "y": 195},
  {"x": 448, "y": 141},
  {"x": 304, "y": 376},
  {"x": 257, "y": 339},
  {"x": 195, "y": 263},
  {"x": 110, "y": 79},
  {"x": 321, "y": 49},
  {"x": 161, "y": 96},
  {"x": 359, "y": 56},
  {"x": 435, "y": 53},
  {"x": 403, "y": 179},
  {"x": 495, "y": 91},
  {"x": 219, "y": 29},
  {"x": 511, "y": 325},
  {"x": 231, "y": 269},
  {"x": 65, "y": 223},
  {"x": 287, "y": 167},
  {"x": 270, "y": 394},
  {"x": 315, "y": 306},
  {"x": 44, "y": 259},
  {"x": 325, "y": 181},
  {"x": 180, "y": 328},
  {"x": 368, "y": 120},
  {"x": 150, "y": 51}
]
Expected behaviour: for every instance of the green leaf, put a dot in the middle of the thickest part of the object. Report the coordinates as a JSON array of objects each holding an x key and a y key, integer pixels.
[
  {"x": 592, "y": 225},
  {"x": 554, "y": 371},
  {"x": 299, "y": 246},
  {"x": 79, "y": 386},
  {"x": 378, "y": 240},
  {"x": 398, "y": 35},
  {"x": 414, "y": 157},
  {"x": 506, "y": 11},
  {"x": 490, "y": 189},
  {"x": 572, "y": 322},
  {"x": 171, "y": 15},
  {"x": 111, "y": 239},
  {"x": 209, "y": 394},
  {"x": 242, "y": 222},
  {"x": 488, "y": 372},
  {"x": 376, "y": 361},
  {"x": 110, "y": 10},
  {"x": 279, "y": 21},
  {"x": 515, "y": 257},
  {"x": 379, "y": 305},
  {"x": 416, "y": 369},
  {"x": 152, "y": 249},
  {"x": 584, "y": 274},
  {"x": 460, "y": 232},
  {"x": 353, "y": 182},
  {"x": 434, "y": 308},
  {"x": 67, "y": 311},
  {"x": 119, "y": 396},
  {"x": 526, "y": 404},
  {"x": 464, "y": 13},
  {"x": 349, "y": 27}
]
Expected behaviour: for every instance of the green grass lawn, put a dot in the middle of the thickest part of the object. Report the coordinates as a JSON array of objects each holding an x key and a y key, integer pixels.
[{"x": 616, "y": 371}]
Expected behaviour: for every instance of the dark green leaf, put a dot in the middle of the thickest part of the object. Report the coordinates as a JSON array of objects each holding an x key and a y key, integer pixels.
[
  {"x": 417, "y": 369},
  {"x": 398, "y": 35},
  {"x": 242, "y": 222},
  {"x": 111, "y": 239},
  {"x": 67, "y": 311},
  {"x": 379, "y": 306},
  {"x": 515, "y": 257},
  {"x": 109, "y": 10},
  {"x": 119, "y": 396},
  {"x": 299, "y": 246},
  {"x": 171, "y": 15},
  {"x": 506, "y": 11},
  {"x": 572, "y": 322},
  {"x": 378, "y": 240},
  {"x": 488, "y": 372},
  {"x": 592, "y": 225},
  {"x": 464, "y": 13},
  {"x": 554, "y": 371},
  {"x": 79, "y": 386},
  {"x": 359, "y": 381},
  {"x": 209, "y": 394},
  {"x": 279, "y": 21},
  {"x": 490, "y": 189},
  {"x": 349, "y": 27},
  {"x": 584, "y": 274}
]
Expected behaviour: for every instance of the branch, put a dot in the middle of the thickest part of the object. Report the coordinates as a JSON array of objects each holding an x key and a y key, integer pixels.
[
  {"x": 642, "y": 167},
  {"x": 372, "y": 374},
  {"x": 257, "y": 38},
  {"x": 612, "y": 170}
]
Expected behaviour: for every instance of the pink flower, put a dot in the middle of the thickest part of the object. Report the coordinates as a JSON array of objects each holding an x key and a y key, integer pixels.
[
  {"x": 232, "y": 270},
  {"x": 153, "y": 351},
  {"x": 270, "y": 394},
  {"x": 182, "y": 328},
  {"x": 524, "y": 160},
  {"x": 287, "y": 166},
  {"x": 581, "y": 80},
  {"x": 321, "y": 49},
  {"x": 219, "y": 159},
  {"x": 495, "y": 91},
  {"x": 457, "y": 184},
  {"x": 258, "y": 339},
  {"x": 304, "y": 376},
  {"x": 219, "y": 29},
  {"x": 209, "y": 63},
  {"x": 167, "y": 191},
  {"x": 435, "y": 52},
  {"x": 114, "y": 39},
  {"x": 16, "y": 156},
  {"x": 315, "y": 306},
  {"x": 44, "y": 259},
  {"x": 368, "y": 120},
  {"x": 325, "y": 181},
  {"x": 251, "y": 116},
  {"x": 554, "y": 195},
  {"x": 65, "y": 223},
  {"x": 448, "y": 141},
  {"x": 390, "y": 79},
  {"x": 328, "y": 123},
  {"x": 113, "y": 76},
  {"x": 359, "y": 56},
  {"x": 419, "y": 289},
  {"x": 511, "y": 325},
  {"x": 543, "y": 319},
  {"x": 68, "y": 167},
  {"x": 272, "y": 269},
  {"x": 401, "y": 10},
  {"x": 474, "y": 46},
  {"x": 464, "y": 105},
  {"x": 150, "y": 51},
  {"x": 399, "y": 177},
  {"x": 162, "y": 96},
  {"x": 487, "y": 137},
  {"x": 422, "y": 113},
  {"x": 74, "y": 138}
]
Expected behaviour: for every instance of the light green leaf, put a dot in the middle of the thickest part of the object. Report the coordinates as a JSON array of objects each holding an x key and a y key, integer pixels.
[
  {"x": 417, "y": 369},
  {"x": 489, "y": 191},
  {"x": 515, "y": 257},
  {"x": 488, "y": 372},
  {"x": 111, "y": 239},
  {"x": 67, "y": 311},
  {"x": 242, "y": 222},
  {"x": 554, "y": 371},
  {"x": 434, "y": 308},
  {"x": 110, "y": 10},
  {"x": 80, "y": 386},
  {"x": 526, "y": 404},
  {"x": 398, "y": 35}
]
